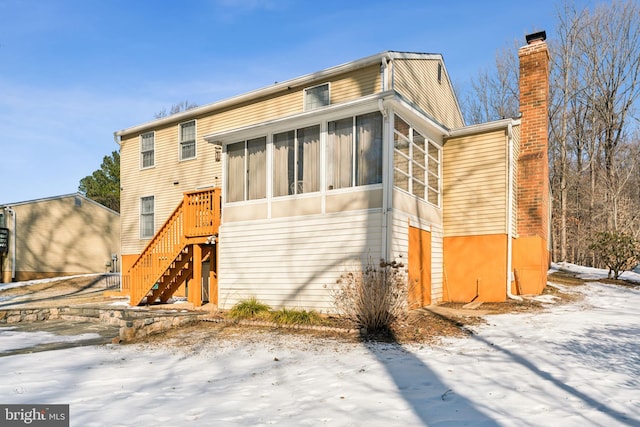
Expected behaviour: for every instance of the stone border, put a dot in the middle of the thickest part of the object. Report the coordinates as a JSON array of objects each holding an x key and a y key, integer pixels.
[{"x": 134, "y": 324}]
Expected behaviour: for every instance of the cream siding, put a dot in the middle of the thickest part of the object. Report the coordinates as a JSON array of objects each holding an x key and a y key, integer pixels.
[
  {"x": 62, "y": 236},
  {"x": 475, "y": 184},
  {"x": 417, "y": 81},
  {"x": 166, "y": 181},
  {"x": 295, "y": 261},
  {"x": 160, "y": 181},
  {"x": 514, "y": 177}
]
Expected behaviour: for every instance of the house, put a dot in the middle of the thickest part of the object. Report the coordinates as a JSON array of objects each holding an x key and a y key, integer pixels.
[
  {"x": 277, "y": 192},
  {"x": 57, "y": 236}
]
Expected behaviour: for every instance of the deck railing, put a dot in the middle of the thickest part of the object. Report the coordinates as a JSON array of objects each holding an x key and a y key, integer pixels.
[{"x": 195, "y": 219}]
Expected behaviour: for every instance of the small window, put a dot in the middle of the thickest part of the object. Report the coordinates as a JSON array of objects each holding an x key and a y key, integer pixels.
[
  {"x": 316, "y": 97},
  {"x": 188, "y": 140},
  {"x": 147, "y": 221},
  {"x": 147, "y": 150},
  {"x": 439, "y": 73},
  {"x": 77, "y": 202}
]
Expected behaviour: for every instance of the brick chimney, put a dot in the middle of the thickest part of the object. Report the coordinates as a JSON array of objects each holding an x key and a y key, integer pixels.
[
  {"x": 531, "y": 247},
  {"x": 533, "y": 163}
]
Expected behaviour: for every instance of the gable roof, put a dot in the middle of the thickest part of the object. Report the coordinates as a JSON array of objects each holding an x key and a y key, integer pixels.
[
  {"x": 63, "y": 196},
  {"x": 278, "y": 87}
]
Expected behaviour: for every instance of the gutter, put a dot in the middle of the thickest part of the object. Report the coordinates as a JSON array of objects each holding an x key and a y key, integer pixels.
[{"x": 510, "y": 214}]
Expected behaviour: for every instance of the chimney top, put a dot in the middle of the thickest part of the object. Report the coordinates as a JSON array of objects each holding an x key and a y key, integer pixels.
[{"x": 540, "y": 36}]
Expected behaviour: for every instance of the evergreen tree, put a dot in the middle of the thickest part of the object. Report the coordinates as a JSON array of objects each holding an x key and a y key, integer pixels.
[{"x": 103, "y": 185}]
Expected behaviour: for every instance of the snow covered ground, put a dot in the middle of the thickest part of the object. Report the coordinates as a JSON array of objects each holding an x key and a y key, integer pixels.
[{"x": 574, "y": 364}]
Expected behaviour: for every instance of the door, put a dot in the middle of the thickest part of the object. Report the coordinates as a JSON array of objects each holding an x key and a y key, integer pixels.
[{"x": 419, "y": 267}]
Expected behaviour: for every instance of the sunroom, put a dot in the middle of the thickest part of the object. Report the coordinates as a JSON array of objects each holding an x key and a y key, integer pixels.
[{"x": 309, "y": 196}]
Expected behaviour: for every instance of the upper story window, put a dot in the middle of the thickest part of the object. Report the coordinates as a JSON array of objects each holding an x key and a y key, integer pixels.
[
  {"x": 188, "y": 140},
  {"x": 247, "y": 170},
  {"x": 147, "y": 150},
  {"x": 296, "y": 161},
  {"x": 316, "y": 97},
  {"x": 416, "y": 163},
  {"x": 147, "y": 217},
  {"x": 354, "y": 151}
]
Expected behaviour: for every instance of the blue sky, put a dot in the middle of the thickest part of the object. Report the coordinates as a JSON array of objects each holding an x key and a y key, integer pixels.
[{"x": 74, "y": 71}]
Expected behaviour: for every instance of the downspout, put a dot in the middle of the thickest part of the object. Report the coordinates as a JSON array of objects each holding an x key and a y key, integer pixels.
[
  {"x": 13, "y": 244},
  {"x": 386, "y": 243},
  {"x": 510, "y": 213},
  {"x": 387, "y": 129}
]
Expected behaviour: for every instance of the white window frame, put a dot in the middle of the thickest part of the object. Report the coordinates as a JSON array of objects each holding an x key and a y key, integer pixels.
[
  {"x": 246, "y": 172},
  {"x": 354, "y": 151},
  {"x": 297, "y": 186},
  {"x": 309, "y": 106},
  {"x": 182, "y": 143},
  {"x": 152, "y": 150},
  {"x": 151, "y": 214},
  {"x": 415, "y": 150}
]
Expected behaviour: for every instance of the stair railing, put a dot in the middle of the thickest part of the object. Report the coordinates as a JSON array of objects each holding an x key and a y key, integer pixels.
[{"x": 196, "y": 218}]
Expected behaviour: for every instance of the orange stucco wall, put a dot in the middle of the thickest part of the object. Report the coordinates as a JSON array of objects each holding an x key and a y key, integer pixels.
[
  {"x": 530, "y": 264},
  {"x": 475, "y": 262}
]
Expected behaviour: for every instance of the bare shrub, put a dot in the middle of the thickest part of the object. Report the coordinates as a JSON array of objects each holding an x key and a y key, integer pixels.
[{"x": 373, "y": 298}]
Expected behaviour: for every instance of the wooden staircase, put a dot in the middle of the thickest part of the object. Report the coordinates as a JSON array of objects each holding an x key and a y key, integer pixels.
[{"x": 176, "y": 252}]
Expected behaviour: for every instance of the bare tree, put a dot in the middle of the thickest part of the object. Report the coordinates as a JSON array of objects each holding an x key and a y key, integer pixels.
[
  {"x": 175, "y": 108},
  {"x": 494, "y": 94},
  {"x": 610, "y": 44},
  {"x": 594, "y": 135}
]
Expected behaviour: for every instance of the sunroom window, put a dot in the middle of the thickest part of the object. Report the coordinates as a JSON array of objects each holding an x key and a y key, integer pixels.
[
  {"x": 354, "y": 151},
  {"x": 296, "y": 161},
  {"x": 246, "y": 170},
  {"x": 416, "y": 163}
]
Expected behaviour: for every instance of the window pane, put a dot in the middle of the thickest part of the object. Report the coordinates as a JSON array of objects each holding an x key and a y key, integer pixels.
[
  {"x": 147, "y": 149},
  {"x": 418, "y": 172},
  {"x": 369, "y": 149},
  {"x": 316, "y": 97},
  {"x": 235, "y": 172},
  {"x": 340, "y": 154},
  {"x": 257, "y": 168},
  {"x": 400, "y": 180},
  {"x": 146, "y": 217},
  {"x": 187, "y": 131},
  {"x": 417, "y": 188},
  {"x": 188, "y": 140},
  {"x": 433, "y": 166},
  {"x": 283, "y": 163},
  {"x": 401, "y": 126},
  {"x": 432, "y": 197},
  {"x": 308, "y": 160},
  {"x": 188, "y": 150},
  {"x": 147, "y": 159},
  {"x": 401, "y": 161},
  {"x": 434, "y": 151},
  {"x": 418, "y": 140}
]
